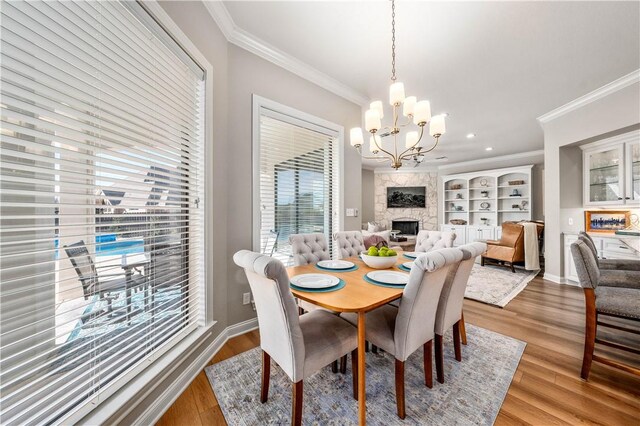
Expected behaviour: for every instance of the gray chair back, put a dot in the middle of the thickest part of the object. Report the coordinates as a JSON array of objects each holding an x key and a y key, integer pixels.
[
  {"x": 85, "y": 268},
  {"x": 434, "y": 240},
  {"x": 586, "y": 238},
  {"x": 309, "y": 248},
  {"x": 350, "y": 243},
  {"x": 452, "y": 295},
  {"x": 586, "y": 264},
  {"x": 280, "y": 333},
  {"x": 417, "y": 313}
]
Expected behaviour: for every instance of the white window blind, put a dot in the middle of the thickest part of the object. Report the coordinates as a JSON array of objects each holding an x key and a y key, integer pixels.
[
  {"x": 101, "y": 234},
  {"x": 298, "y": 181}
]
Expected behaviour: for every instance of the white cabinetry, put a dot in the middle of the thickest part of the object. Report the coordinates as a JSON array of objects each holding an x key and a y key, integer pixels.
[
  {"x": 608, "y": 246},
  {"x": 460, "y": 231},
  {"x": 611, "y": 171},
  {"x": 475, "y": 233}
]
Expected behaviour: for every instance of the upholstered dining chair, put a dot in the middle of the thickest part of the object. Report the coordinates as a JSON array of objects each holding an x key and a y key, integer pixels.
[
  {"x": 300, "y": 345},
  {"x": 434, "y": 240},
  {"x": 609, "y": 264},
  {"x": 401, "y": 331},
  {"x": 350, "y": 243},
  {"x": 309, "y": 248},
  {"x": 449, "y": 313},
  {"x": 601, "y": 301}
]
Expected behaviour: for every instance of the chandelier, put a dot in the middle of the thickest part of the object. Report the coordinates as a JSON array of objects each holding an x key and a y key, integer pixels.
[{"x": 416, "y": 112}]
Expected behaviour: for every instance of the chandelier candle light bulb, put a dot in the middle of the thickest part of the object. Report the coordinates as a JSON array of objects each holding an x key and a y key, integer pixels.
[
  {"x": 436, "y": 127},
  {"x": 356, "y": 136},
  {"x": 377, "y": 106},
  {"x": 409, "y": 106},
  {"x": 417, "y": 112},
  {"x": 396, "y": 94},
  {"x": 372, "y": 120}
]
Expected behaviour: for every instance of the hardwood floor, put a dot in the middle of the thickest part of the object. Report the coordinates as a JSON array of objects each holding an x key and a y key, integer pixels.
[{"x": 546, "y": 388}]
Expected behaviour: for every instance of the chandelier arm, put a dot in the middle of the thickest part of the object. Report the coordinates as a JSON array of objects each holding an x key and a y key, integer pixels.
[
  {"x": 411, "y": 148},
  {"x": 434, "y": 145},
  {"x": 379, "y": 159},
  {"x": 380, "y": 148}
]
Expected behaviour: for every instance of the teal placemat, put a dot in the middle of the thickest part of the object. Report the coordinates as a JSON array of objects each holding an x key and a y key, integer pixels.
[
  {"x": 353, "y": 268},
  {"x": 338, "y": 286},
  {"x": 404, "y": 268},
  {"x": 409, "y": 257},
  {"x": 378, "y": 283}
]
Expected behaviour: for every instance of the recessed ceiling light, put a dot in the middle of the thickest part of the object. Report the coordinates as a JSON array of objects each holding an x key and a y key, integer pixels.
[
  {"x": 488, "y": 148},
  {"x": 471, "y": 135},
  {"x": 445, "y": 114}
]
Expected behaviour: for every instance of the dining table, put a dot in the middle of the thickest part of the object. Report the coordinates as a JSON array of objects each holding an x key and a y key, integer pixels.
[{"x": 357, "y": 296}]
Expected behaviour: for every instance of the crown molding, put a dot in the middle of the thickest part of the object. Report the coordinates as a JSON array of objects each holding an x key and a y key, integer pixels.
[
  {"x": 609, "y": 88},
  {"x": 245, "y": 40},
  {"x": 508, "y": 157}
]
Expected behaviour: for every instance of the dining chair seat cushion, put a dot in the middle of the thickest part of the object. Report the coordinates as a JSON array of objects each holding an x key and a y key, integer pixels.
[
  {"x": 434, "y": 240},
  {"x": 380, "y": 324},
  {"x": 624, "y": 264},
  {"x": 618, "y": 301},
  {"x": 619, "y": 278},
  {"x": 327, "y": 337}
]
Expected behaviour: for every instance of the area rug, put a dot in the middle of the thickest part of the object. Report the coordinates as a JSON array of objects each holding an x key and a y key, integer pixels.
[
  {"x": 472, "y": 393},
  {"x": 497, "y": 285}
]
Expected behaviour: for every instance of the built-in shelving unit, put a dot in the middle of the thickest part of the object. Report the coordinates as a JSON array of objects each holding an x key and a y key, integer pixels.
[{"x": 485, "y": 200}]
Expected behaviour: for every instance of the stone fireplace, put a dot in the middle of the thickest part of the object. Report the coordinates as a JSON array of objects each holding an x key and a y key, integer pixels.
[{"x": 406, "y": 226}]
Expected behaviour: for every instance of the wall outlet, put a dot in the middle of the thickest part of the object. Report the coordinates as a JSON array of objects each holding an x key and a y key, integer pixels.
[
  {"x": 570, "y": 221},
  {"x": 246, "y": 298}
]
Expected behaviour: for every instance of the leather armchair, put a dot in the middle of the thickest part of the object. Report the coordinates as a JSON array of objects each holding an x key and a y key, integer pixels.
[{"x": 509, "y": 249}]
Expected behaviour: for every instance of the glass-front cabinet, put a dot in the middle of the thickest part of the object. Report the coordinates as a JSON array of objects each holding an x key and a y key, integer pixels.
[
  {"x": 633, "y": 174},
  {"x": 612, "y": 171}
]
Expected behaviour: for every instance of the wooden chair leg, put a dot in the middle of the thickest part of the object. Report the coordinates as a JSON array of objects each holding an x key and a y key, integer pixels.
[
  {"x": 512, "y": 268},
  {"x": 296, "y": 404},
  {"x": 374, "y": 349},
  {"x": 463, "y": 330},
  {"x": 343, "y": 365},
  {"x": 266, "y": 373},
  {"x": 589, "y": 332},
  {"x": 428, "y": 364},
  {"x": 481, "y": 260},
  {"x": 400, "y": 388},
  {"x": 354, "y": 372},
  {"x": 439, "y": 360},
  {"x": 366, "y": 346},
  {"x": 334, "y": 367},
  {"x": 456, "y": 341}
]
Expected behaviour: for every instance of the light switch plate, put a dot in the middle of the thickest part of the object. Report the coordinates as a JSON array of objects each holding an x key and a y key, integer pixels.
[{"x": 570, "y": 221}]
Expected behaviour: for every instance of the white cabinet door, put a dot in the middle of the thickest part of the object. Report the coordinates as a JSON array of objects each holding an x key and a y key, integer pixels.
[
  {"x": 632, "y": 170},
  {"x": 459, "y": 230},
  {"x": 604, "y": 176},
  {"x": 570, "y": 272},
  {"x": 475, "y": 233}
]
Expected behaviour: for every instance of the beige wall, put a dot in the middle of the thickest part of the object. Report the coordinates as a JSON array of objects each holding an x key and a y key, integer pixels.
[
  {"x": 368, "y": 194},
  {"x": 249, "y": 74},
  {"x": 614, "y": 114}
]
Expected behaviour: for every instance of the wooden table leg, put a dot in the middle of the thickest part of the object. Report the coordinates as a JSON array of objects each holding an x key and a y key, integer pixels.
[{"x": 362, "y": 406}]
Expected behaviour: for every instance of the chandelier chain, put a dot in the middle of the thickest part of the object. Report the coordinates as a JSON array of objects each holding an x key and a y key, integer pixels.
[{"x": 393, "y": 40}]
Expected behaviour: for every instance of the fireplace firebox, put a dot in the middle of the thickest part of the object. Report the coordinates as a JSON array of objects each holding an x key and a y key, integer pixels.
[{"x": 405, "y": 226}]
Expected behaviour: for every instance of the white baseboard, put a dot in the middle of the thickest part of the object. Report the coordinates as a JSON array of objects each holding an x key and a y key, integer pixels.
[
  {"x": 155, "y": 410},
  {"x": 554, "y": 278}
]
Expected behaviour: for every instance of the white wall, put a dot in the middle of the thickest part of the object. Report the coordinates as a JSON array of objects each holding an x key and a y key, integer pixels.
[
  {"x": 617, "y": 113},
  {"x": 368, "y": 195}
]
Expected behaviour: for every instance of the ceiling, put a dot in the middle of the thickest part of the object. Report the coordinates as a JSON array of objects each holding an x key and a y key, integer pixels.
[{"x": 493, "y": 66}]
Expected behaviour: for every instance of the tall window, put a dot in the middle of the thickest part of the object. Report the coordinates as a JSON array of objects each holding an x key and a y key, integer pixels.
[
  {"x": 298, "y": 180},
  {"x": 100, "y": 187}
]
